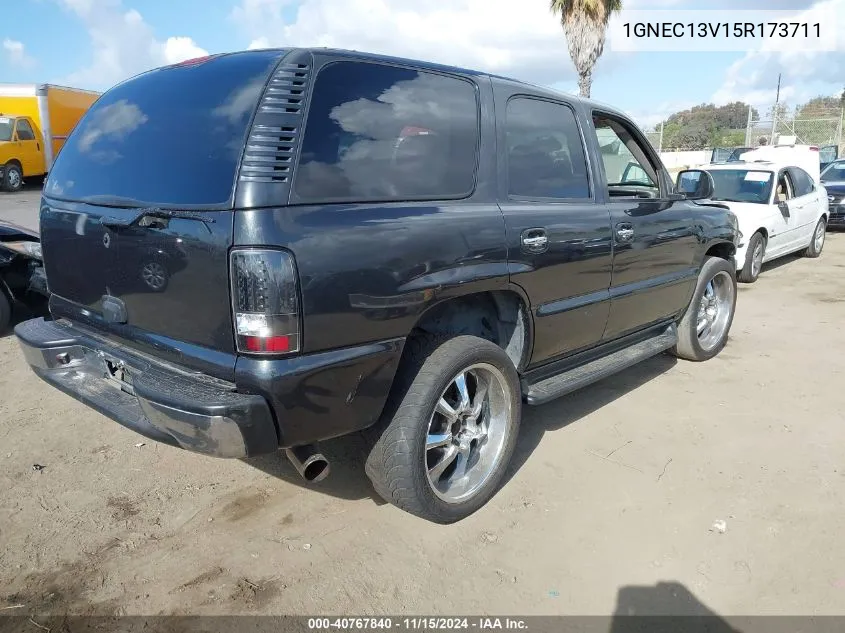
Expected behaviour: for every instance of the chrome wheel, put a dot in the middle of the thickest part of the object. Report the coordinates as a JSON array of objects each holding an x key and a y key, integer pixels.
[
  {"x": 467, "y": 432},
  {"x": 154, "y": 275},
  {"x": 14, "y": 178},
  {"x": 714, "y": 310},
  {"x": 757, "y": 259},
  {"x": 818, "y": 238}
]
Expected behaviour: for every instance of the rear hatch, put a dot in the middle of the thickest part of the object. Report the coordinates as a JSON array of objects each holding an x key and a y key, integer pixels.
[{"x": 136, "y": 218}]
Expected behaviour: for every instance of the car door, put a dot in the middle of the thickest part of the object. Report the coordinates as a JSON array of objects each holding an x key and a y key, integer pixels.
[
  {"x": 654, "y": 232},
  {"x": 807, "y": 203},
  {"x": 783, "y": 235},
  {"x": 558, "y": 237},
  {"x": 31, "y": 157}
]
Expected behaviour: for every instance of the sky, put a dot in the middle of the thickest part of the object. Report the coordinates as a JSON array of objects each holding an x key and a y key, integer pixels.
[{"x": 96, "y": 43}]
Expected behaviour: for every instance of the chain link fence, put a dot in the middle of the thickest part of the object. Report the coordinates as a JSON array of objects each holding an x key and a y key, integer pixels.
[
  {"x": 655, "y": 137},
  {"x": 824, "y": 128}
]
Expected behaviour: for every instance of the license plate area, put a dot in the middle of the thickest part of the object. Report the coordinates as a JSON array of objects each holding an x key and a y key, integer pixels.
[{"x": 117, "y": 374}]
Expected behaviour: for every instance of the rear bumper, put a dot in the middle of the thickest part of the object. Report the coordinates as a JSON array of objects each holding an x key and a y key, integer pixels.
[
  {"x": 283, "y": 402},
  {"x": 161, "y": 402}
]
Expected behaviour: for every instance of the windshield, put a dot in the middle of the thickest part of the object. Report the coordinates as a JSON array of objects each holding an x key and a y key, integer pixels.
[
  {"x": 6, "y": 126},
  {"x": 742, "y": 185},
  {"x": 834, "y": 171}
]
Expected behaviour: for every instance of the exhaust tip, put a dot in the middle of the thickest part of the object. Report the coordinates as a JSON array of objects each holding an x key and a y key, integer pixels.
[
  {"x": 311, "y": 465},
  {"x": 316, "y": 470}
]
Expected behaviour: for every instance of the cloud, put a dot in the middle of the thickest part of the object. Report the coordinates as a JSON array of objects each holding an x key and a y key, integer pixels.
[
  {"x": 15, "y": 53},
  {"x": 123, "y": 44},
  {"x": 178, "y": 49},
  {"x": 805, "y": 74},
  {"x": 498, "y": 36}
]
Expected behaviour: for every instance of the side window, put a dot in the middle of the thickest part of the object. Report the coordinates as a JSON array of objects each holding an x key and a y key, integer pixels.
[
  {"x": 544, "y": 151},
  {"x": 802, "y": 180},
  {"x": 834, "y": 171},
  {"x": 377, "y": 132},
  {"x": 784, "y": 189},
  {"x": 24, "y": 130},
  {"x": 634, "y": 173},
  {"x": 628, "y": 170}
]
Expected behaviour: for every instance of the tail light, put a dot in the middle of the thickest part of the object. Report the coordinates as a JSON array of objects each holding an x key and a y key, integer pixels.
[{"x": 265, "y": 301}]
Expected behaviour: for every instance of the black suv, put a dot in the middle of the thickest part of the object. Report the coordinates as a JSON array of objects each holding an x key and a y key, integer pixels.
[{"x": 266, "y": 249}]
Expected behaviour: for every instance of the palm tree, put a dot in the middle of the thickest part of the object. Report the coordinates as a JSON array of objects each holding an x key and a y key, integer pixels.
[{"x": 584, "y": 23}]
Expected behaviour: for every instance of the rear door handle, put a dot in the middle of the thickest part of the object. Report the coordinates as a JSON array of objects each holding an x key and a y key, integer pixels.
[
  {"x": 535, "y": 240},
  {"x": 624, "y": 232}
]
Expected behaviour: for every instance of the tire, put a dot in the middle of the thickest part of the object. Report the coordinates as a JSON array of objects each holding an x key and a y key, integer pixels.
[
  {"x": 753, "y": 259},
  {"x": 399, "y": 464},
  {"x": 700, "y": 347},
  {"x": 816, "y": 240},
  {"x": 5, "y": 312},
  {"x": 12, "y": 177},
  {"x": 155, "y": 275}
]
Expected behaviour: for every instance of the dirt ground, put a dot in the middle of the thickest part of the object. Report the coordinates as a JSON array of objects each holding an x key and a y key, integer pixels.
[{"x": 609, "y": 506}]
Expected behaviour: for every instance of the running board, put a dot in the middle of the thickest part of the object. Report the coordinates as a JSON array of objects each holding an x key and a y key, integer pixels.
[{"x": 574, "y": 379}]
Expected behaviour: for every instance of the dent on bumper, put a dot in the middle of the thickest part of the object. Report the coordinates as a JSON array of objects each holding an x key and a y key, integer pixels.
[{"x": 193, "y": 411}]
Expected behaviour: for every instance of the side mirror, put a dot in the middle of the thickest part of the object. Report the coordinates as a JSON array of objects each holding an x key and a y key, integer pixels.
[
  {"x": 695, "y": 184},
  {"x": 784, "y": 208}
]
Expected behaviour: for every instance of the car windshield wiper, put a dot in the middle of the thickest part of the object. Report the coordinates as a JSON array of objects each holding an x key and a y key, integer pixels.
[{"x": 153, "y": 212}]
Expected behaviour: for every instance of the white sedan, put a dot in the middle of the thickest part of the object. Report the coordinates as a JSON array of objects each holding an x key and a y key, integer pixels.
[{"x": 779, "y": 207}]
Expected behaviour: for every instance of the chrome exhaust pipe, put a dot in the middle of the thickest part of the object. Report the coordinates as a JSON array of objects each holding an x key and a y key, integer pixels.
[{"x": 310, "y": 463}]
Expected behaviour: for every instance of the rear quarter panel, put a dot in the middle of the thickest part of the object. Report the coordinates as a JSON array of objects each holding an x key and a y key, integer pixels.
[{"x": 367, "y": 273}]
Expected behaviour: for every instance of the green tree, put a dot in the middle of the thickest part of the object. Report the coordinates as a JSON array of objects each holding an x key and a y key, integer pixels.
[
  {"x": 818, "y": 107},
  {"x": 584, "y": 23}
]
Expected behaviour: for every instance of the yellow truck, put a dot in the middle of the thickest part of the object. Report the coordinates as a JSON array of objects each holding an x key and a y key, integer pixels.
[{"x": 35, "y": 120}]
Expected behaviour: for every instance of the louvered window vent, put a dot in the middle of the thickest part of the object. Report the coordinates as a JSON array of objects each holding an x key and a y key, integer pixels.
[{"x": 273, "y": 138}]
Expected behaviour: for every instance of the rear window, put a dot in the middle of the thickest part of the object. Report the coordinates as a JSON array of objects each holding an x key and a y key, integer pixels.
[
  {"x": 173, "y": 136},
  {"x": 378, "y": 132},
  {"x": 803, "y": 181}
]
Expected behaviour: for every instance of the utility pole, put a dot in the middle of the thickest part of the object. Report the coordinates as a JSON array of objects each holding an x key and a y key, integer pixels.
[
  {"x": 748, "y": 128},
  {"x": 775, "y": 114}
]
